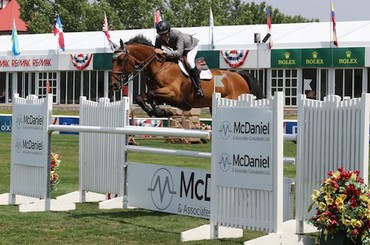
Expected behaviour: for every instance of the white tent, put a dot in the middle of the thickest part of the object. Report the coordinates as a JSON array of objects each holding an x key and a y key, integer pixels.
[{"x": 300, "y": 35}]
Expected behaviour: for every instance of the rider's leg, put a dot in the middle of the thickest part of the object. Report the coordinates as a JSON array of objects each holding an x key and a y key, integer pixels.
[
  {"x": 195, "y": 75},
  {"x": 194, "y": 71}
]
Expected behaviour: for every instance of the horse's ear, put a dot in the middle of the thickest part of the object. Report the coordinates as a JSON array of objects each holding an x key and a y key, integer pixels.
[
  {"x": 115, "y": 46},
  {"x": 121, "y": 43}
]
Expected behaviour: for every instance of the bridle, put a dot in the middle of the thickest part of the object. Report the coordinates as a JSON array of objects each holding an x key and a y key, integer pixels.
[{"x": 122, "y": 76}]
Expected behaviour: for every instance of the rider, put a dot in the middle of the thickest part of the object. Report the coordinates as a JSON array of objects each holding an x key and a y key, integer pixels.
[{"x": 181, "y": 44}]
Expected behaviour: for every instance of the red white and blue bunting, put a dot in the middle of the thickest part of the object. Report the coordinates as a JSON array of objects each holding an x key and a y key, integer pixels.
[
  {"x": 235, "y": 58},
  {"x": 149, "y": 122},
  {"x": 81, "y": 61}
]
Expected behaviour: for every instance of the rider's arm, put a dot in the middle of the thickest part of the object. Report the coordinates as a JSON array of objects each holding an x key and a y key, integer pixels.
[
  {"x": 180, "y": 45},
  {"x": 158, "y": 46},
  {"x": 158, "y": 42}
]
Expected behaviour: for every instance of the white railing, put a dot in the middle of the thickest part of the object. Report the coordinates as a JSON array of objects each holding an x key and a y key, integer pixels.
[
  {"x": 331, "y": 134},
  {"x": 234, "y": 205},
  {"x": 103, "y": 129}
]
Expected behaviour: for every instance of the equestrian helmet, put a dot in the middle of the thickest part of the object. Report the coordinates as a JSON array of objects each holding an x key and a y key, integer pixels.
[{"x": 163, "y": 27}]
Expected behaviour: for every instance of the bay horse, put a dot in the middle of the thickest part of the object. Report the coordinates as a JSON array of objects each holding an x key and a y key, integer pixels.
[{"x": 166, "y": 82}]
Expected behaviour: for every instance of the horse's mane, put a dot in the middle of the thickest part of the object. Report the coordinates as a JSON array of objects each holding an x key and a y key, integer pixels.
[{"x": 139, "y": 39}]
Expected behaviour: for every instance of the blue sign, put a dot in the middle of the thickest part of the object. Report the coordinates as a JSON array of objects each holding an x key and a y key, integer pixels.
[
  {"x": 5, "y": 123},
  {"x": 291, "y": 127},
  {"x": 69, "y": 121}
]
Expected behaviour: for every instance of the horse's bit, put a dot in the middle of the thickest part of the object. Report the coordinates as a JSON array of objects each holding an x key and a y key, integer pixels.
[{"x": 122, "y": 76}]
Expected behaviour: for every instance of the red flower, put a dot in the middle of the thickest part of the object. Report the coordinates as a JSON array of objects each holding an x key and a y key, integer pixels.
[
  {"x": 342, "y": 205},
  {"x": 353, "y": 202},
  {"x": 335, "y": 184}
]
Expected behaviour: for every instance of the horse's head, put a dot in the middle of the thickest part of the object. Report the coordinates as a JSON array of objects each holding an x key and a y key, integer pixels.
[
  {"x": 133, "y": 55},
  {"x": 122, "y": 66}
]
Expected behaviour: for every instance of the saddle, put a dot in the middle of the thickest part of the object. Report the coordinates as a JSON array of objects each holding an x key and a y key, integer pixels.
[
  {"x": 201, "y": 64},
  {"x": 204, "y": 71}
]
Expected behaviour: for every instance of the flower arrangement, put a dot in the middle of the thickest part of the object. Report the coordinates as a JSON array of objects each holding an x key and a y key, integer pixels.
[
  {"x": 54, "y": 166},
  {"x": 343, "y": 205}
]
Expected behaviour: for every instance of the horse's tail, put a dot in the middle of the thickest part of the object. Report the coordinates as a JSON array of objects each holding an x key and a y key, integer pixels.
[{"x": 253, "y": 84}]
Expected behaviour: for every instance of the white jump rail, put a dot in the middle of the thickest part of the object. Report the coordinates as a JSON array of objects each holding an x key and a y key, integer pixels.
[
  {"x": 153, "y": 150},
  {"x": 130, "y": 130}
]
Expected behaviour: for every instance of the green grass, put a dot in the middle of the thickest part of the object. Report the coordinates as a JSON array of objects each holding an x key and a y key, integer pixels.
[
  {"x": 55, "y": 112},
  {"x": 89, "y": 225}
]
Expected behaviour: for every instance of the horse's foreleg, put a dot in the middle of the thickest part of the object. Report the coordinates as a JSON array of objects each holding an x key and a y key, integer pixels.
[
  {"x": 165, "y": 94},
  {"x": 141, "y": 101},
  {"x": 157, "y": 111}
]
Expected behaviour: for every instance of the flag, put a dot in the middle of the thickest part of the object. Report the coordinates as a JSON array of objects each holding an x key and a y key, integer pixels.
[
  {"x": 269, "y": 23},
  {"x": 211, "y": 25},
  {"x": 15, "y": 42},
  {"x": 106, "y": 31},
  {"x": 335, "y": 40},
  {"x": 58, "y": 29},
  {"x": 157, "y": 17},
  {"x": 106, "y": 28}
]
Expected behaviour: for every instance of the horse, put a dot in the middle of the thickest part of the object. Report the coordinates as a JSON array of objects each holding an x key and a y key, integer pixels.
[{"x": 168, "y": 84}]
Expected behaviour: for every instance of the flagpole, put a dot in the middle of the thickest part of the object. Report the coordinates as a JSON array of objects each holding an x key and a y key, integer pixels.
[
  {"x": 154, "y": 27},
  {"x": 211, "y": 29},
  {"x": 331, "y": 88},
  {"x": 331, "y": 23},
  {"x": 104, "y": 37}
]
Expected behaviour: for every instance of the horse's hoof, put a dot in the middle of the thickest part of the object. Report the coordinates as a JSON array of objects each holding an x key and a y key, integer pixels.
[
  {"x": 158, "y": 112},
  {"x": 150, "y": 113},
  {"x": 169, "y": 113}
]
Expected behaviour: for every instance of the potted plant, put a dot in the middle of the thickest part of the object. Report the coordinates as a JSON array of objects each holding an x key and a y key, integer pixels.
[{"x": 342, "y": 208}]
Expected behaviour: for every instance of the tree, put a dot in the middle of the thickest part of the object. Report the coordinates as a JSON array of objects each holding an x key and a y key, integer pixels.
[
  {"x": 38, "y": 15},
  {"x": 135, "y": 14},
  {"x": 87, "y": 15},
  {"x": 76, "y": 16},
  {"x": 225, "y": 12}
]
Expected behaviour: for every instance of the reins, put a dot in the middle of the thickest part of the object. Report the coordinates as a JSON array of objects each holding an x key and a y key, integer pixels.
[{"x": 140, "y": 67}]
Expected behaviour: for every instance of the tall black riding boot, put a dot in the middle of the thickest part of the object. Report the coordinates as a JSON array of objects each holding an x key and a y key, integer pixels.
[{"x": 196, "y": 80}]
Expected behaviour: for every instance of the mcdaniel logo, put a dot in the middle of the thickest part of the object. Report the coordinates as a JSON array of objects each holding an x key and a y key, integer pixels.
[
  {"x": 224, "y": 162},
  {"x": 28, "y": 145},
  {"x": 162, "y": 189},
  {"x": 29, "y": 120},
  {"x": 225, "y": 130},
  {"x": 243, "y": 128}
]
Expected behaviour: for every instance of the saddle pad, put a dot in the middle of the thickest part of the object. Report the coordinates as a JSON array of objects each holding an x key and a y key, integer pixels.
[{"x": 204, "y": 74}]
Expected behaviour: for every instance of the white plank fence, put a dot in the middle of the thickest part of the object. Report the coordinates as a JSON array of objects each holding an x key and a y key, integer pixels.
[{"x": 331, "y": 134}]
